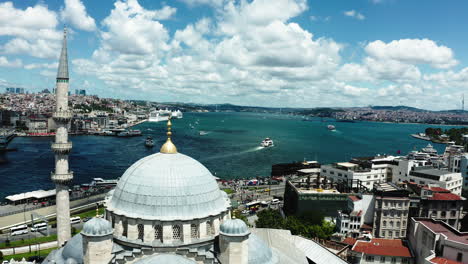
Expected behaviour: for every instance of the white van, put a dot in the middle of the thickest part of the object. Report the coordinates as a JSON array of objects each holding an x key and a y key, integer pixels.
[
  {"x": 275, "y": 201},
  {"x": 75, "y": 220},
  {"x": 39, "y": 227}
]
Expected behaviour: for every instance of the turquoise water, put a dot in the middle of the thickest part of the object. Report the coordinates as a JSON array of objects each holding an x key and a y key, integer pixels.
[{"x": 229, "y": 149}]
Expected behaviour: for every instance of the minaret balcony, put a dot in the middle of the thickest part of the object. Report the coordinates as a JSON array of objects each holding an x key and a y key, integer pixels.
[
  {"x": 61, "y": 148},
  {"x": 64, "y": 116},
  {"x": 61, "y": 178}
]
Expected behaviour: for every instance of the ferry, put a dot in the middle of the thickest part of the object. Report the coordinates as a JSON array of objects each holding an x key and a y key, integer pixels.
[
  {"x": 331, "y": 127},
  {"x": 429, "y": 149},
  {"x": 267, "y": 142},
  {"x": 129, "y": 133},
  {"x": 149, "y": 143}
]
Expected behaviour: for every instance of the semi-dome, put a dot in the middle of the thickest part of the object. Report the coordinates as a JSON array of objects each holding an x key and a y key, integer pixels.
[
  {"x": 259, "y": 252},
  {"x": 97, "y": 227},
  {"x": 166, "y": 259},
  {"x": 167, "y": 187},
  {"x": 234, "y": 227}
]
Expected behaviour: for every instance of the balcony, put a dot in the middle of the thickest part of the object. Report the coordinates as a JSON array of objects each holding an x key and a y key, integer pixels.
[
  {"x": 64, "y": 116},
  {"x": 62, "y": 148},
  {"x": 62, "y": 178}
]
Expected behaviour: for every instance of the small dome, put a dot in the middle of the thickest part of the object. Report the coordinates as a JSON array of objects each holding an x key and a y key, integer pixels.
[
  {"x": 167, "y": 187},
  {"x": 165, "y": 259},
  {"x": 73, "y": 250},
  {"x": 97, "y": 227},
  {"x": 259, "y": 252},
  {"x": 234, "y": 227}
]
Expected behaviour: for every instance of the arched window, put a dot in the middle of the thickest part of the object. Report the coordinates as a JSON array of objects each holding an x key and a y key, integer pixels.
[
  {"x": 391, "y": 223},
  {"x": 384, "y": 223},
  {"x": 141, "y": 231},
  {"x": 194, "y": 231},
  {"x": 176, "y": 232},
  {"x": 158, "y": 233},
  {"x": 124, "y": 228}
]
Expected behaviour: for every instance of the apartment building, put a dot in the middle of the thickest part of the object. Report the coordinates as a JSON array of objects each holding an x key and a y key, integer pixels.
[
  {"x": 391, "y": 211},
  {"x": 434, "y": 241},
  {"x": 357, "y": 219}
]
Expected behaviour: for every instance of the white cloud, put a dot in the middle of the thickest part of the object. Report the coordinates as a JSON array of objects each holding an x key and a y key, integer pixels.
[
  {"x": 135, "y": 30},
  {"x": 413, "y": 51},
  {"x": 32, "y": 30},
  {"x": 4, "y": 62},
  {"x": 215, "y": 3},
  {"x": 75, "y": 14},
  {"x": 354, "y": 14},
  {"x": 31, "y": 66}
]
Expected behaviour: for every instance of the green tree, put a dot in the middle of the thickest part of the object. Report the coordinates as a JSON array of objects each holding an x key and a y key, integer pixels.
[{"x": 269, "y": 218}]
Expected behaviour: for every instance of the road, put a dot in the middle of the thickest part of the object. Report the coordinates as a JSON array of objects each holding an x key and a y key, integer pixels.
[{"x": 30, "y": 235}]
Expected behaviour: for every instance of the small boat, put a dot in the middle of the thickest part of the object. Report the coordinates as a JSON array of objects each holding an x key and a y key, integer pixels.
[
  {"x": 129, "y": 133},
  {"x": 202, "y": 133},
  {"x": 267, "y": 142},
  {"x": 149, "y": 142},
  {"x": 331, "y": 127}
]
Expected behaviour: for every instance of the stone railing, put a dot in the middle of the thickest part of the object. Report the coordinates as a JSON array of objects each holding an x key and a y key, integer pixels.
[
  {"x": 61, "y": 147},
  {"x": 61, "y": 178},
  {"x": 62, "y": 115}
]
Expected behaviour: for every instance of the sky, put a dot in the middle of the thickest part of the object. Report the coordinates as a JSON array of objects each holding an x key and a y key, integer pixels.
[{"x": 278, "y": 53}]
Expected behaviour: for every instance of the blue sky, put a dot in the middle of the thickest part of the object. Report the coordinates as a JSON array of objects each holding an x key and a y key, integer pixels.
[{"x": 262, "y": 52}]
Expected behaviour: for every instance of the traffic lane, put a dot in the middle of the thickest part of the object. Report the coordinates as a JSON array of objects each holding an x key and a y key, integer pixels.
[{"x": 30, "y": 235}]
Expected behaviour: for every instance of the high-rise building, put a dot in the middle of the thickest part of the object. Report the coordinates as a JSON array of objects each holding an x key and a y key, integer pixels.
[{"x": 62, "y": 147}]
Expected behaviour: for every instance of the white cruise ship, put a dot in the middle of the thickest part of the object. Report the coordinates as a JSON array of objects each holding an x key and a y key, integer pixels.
[{"x": 163, "y": 115}]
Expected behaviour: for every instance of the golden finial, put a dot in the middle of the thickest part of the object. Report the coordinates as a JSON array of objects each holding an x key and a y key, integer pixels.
[{"x": 168, "y": 147}]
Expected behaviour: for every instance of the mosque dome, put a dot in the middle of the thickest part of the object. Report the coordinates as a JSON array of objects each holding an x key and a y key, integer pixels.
[
  {"x": 165, "y": 259},
  {"x": 97, "y": 227},
  {"x": 167, "y": 186},
  {"x": 234, "y": 227}
]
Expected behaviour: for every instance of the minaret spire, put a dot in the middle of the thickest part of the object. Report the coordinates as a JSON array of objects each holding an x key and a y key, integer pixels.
[{"x": 62, "y": 147}]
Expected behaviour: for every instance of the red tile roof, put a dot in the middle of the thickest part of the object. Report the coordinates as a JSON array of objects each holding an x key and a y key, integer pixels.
[
  {"x": 350, "y": 241},
  {"x": 436, "y": 189},
  {"x": 383, "y": 247},
  {"x": 439, "y": 260},
  {"x": 354, "y": 198},
  {"x": 444, "y": 197}
]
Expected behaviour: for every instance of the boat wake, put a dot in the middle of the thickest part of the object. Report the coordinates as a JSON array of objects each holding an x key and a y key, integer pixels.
[{"x": 233, "y": 154}]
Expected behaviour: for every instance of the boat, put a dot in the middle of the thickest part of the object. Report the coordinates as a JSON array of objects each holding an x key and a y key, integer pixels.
[
  {"x": 202, "y": 133},
  {"x": 422, "y": 136},
  {"x": 163, "y": 115},
  {"x": 267, "y": 142},
  {"x": 331, "y": 127},
  {"x": 149, "y": 142},
  {"x": 429, "y": 149},
  {"x": 129, "y": 133}
]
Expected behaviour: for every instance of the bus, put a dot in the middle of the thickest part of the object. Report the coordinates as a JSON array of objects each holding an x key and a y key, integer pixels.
[
  {"x": 39, "y": 227},
  {"x": 19, "y": 230},
  {"x": 75, "y": 220}
]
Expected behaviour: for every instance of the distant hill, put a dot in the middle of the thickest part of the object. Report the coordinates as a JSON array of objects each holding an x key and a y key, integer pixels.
[{"x": 398, "y": 108}]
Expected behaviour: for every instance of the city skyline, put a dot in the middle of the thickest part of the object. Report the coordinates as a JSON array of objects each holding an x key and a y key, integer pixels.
[{"x": 290, "y": 53}]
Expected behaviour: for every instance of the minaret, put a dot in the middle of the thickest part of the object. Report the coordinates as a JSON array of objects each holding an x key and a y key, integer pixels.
[{"x": 62, "y": 147}]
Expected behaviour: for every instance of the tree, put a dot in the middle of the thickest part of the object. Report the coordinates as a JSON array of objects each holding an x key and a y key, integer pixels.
[{"x": 269, "y": 218}]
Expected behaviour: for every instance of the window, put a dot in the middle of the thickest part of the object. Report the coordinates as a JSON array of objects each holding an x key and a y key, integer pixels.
[
  {"x": 383, "y": 233},
  {"x": 368, "y": 177},
  {"x": 453, "y": 213},
  {"x": 443, "y": 214},
  {"x": 158, "y": 232},
  {"x": 459, "y": 257},
  {"x": 403, "y": 233},
  {"x": 385, "y": 213},
  {"x": 194, "y": 231},
  {"x": 384, "y": 223},
  {"x": 398, "y": 223},
  {"x": 391, "y": 223},
  {"x": 339, "y": 174},
  {"x": 324, "y": 171},
  {"x": 370, "y": 258},
  {"x": 397, "y": 233},
  {"x": 332, "y": 172},
  {"x": 124, "y": 227},
  {"x": 209, "y": 228},
  {"x": 141, "y": 231},
  {"x": 376, "y": 176},
  {"x": 382, "y": 259},
  {"x": 176, "y": 232},
  {"x": 393, "y": 260},
  {"x": 404, "y": 223}
]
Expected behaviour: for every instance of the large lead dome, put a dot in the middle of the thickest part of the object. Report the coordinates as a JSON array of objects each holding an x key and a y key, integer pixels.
[{"x": 167, "y": 187}]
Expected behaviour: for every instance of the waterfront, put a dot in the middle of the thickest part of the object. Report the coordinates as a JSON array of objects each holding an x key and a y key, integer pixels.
[{"x": 229, "y": 148}]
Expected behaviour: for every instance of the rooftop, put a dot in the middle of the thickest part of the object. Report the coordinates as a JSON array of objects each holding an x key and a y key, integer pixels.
[
  {"x": 439, "y": 260},
  {"x": 382, "y": 247},
  {"x": 445, "y": 197},
  {"x": 440, "y": 227},
  {"x": 436, "y": 189},
  {"x": 354, "y": 198},
  {"x": 350, "y": 241}
]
